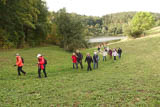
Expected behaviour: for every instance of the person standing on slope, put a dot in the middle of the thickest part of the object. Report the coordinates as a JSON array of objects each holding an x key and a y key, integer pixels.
[
  {"x": 110, "y": 53},
  {"x": 119, "y": 52},
  {"x": 41, "y": 62},
  {"x": 115, "y": 54},
  {"x": 95, "y": 60},
  {"x": 104, "y": 55},
  {"x": 74, "y": 60},
  {"x": 89, "y": 60},
  {"x": 19, "y": 63},
  {"x": 79, "y": 58},
  {"x": 99, "y": 49}
]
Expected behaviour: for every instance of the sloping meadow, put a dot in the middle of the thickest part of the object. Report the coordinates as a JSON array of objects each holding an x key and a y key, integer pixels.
[{"x": 133, "y": 80}]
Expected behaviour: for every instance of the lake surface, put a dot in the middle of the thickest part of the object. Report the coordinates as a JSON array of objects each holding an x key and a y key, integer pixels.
[{"x": 105, "y": 39}]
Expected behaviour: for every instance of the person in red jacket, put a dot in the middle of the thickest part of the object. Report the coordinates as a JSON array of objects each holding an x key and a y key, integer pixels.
[
  {"x": 20, "y": 64},
  {"x": 41, "y": 62},
  {"x": 74, "y": 60}
]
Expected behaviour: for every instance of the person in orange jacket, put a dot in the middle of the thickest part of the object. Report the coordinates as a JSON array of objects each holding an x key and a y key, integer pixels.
[
  {"x": 41, "y": 65},
  {"x": 20, "y": 64}
]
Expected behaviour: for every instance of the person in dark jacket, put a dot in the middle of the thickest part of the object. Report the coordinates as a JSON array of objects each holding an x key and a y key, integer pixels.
[
  {"x": 119, "y": 52},
  {"x": 110, "y": 53},
  {"x": 99, "y": 49},
  {"x": 79, "y": 58},
  {"x": 89, "y": 60},
  {"x": 95, "y": 60}
]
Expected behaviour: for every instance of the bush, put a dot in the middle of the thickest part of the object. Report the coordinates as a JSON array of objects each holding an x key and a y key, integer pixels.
[
  {"x": 141, "y": 21},
  {"x": 4, "y": 42},
  {"x": 8, "y": 45}
]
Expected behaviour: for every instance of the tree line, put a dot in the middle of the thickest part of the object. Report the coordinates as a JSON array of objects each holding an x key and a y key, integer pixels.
[
  {"x": 23, "y": 22},
  {"x": 119, "y": 23},
  {"x": 28, "y": 23}
]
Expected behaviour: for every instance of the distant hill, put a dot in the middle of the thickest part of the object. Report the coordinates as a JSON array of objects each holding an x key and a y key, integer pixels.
[
  {"x": 111, "y": 24},
  {"x": 123, "y": 17}
]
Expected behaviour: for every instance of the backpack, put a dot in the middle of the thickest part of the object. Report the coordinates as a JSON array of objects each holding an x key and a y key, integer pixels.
[
  {"x": 97, "y": 58},
  {"x": 45, "y": 61},
  {"x": 22, "y": 60}
]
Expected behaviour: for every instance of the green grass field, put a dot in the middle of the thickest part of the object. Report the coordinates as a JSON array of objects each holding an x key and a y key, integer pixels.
[{"x": 131, "y": 81}]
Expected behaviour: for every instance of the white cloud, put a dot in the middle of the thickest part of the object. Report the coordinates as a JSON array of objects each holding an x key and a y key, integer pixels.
[{"x": 102, "y": 7}]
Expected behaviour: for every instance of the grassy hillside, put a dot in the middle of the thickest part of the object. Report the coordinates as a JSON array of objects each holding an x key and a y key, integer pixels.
[
  {"x": 131, "y": 81},
  {"x": 155, "y": 30}
]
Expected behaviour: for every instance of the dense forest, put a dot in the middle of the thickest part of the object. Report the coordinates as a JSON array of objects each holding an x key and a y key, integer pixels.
[
  {"x": 23, "y": 22},
  {"x": 28, "y": 23}
]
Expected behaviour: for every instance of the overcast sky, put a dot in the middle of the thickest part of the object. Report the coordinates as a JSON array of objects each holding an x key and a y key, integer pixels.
[{"x": 103, "y": 7}]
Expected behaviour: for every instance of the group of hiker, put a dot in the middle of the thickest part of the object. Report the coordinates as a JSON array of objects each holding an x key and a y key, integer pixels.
[
  {"x": 77, "y": 57},
  {"x": 111, "y": 53},
  {"x": 41, "y": 65}
]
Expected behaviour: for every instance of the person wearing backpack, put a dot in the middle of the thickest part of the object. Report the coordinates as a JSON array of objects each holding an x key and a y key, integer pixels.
[
  {"x": 45, "y": 63},
  {"x": 19, "y": 63},
  {"x": 99, "y": 49},
  {"x": 74, "y": 60},
  {"x": 110, "y": 53},
  {"x": 79, "y": 58},
  {"x": 41, "y": 63},
  {"x": 95, "y": 60},
  {"x": 115, "y": 54},
  {"x": 104, "y": 55},
  {"x": 89, "y": 60},
  {"x": 119, "y": 52}
]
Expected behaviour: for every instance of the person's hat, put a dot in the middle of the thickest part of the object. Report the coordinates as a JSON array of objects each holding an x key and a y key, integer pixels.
[
  {"x": 38, "y": 55},
  {"x": 95, "y": 52},
  {"x": 17, "y": 54}
]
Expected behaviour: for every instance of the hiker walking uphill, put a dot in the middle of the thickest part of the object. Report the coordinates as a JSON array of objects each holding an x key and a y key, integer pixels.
[
  {"x": 19, "y": 63},
  {"x": 79, "y": 58},
  {"x": 89, "y": 60},
  {"x": 41, "y": 65},
  {"x": 99, "y": 49},
  {"x": 104, "y": 55},
  {"x": 95, "y": 60},
  {"x": 115, "y": 54},
  {"x": 74, "y": 60},
  {"x": 119, "y": 52},
  {"x": 110, "y": 53}
]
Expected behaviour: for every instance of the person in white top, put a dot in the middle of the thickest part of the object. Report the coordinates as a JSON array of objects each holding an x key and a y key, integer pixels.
[
  {"x": 114, "y": 54},
  {"x": 104, "y": 55}
]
